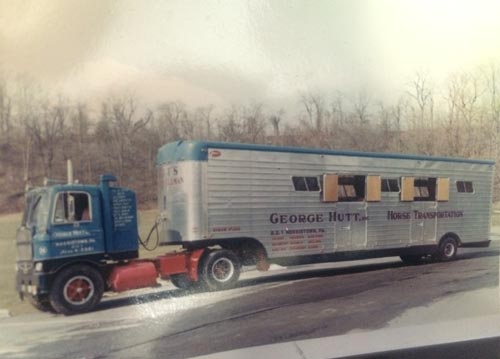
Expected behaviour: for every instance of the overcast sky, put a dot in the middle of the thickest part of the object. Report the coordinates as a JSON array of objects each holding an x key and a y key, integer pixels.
[{"x": 238, "y": 51}]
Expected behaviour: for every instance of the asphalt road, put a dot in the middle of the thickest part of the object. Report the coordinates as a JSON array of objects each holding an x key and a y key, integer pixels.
[{"x": 278, "y": 306}]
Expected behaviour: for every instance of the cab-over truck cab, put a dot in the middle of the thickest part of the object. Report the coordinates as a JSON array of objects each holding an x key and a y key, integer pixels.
[{"x": 69, "y": 237}]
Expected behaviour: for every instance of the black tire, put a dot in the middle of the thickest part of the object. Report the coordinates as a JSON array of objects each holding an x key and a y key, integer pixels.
[
  {"x": 182, "y": 281},
  {"x": 219, "y": 269},
  {"x": 447, "y": 250},
  {"x": 76, "y": 289},
  {"x": 41, "y": 303},
  {"x": 412, "y": 259}
]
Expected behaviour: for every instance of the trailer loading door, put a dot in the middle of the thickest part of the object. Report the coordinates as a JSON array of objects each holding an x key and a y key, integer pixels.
[
  {"x": 423, "y": 227},
  {"x": 349, "y": 213},
  {"x": 424, "y": 206},
  {"x": 350, "y": 230}
]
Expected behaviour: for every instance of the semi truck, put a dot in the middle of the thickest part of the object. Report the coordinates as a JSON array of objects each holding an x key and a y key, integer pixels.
[{"x": 229, "y": 205}]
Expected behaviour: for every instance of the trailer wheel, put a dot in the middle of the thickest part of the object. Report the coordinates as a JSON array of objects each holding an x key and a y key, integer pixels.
[
  {"x": 182, "y": 281},
  {"x": 76, "y": 289},
  {"x": 220, "y": 269},
  {"x": 447, "y": 249},
  {"x": 41, "y": 303}
]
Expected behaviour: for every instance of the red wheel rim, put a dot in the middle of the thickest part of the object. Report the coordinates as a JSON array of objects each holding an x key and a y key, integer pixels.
[
  {"x": 222, "y": 270},
  {"x": 78, "y": 290}
]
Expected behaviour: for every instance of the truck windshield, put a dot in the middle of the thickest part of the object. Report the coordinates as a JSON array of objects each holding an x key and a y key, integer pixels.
[{"x": 36, "y": 210}]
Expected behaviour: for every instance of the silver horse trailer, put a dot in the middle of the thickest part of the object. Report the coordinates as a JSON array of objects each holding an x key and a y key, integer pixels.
[{"x": 285, "y": 205}]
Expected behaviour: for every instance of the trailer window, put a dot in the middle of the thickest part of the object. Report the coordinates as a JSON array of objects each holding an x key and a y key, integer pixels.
[
  {"x": 312, "y": 183},
  {"x": 424, "y": 189},
  {"x": 390, "y": 185},
  {"x": 305, "y": 183},
  {"x": 351, "y": 188},
  {"x": 299, "y": 183},
  {"x": 465, "y": 187},
  {"x": 468, "y": 187}
]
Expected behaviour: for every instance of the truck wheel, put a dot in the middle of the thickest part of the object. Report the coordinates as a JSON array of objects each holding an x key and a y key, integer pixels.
[
  {"x": 41, "y": 303},
  {"x": 76, "y": 289},
  {"x": 447, "y": 249},
  {"x": 182, "y": 281},
  {"x": 220, "y": 269}
]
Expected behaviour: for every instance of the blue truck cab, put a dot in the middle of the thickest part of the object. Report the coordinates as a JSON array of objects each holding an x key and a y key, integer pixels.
[{"x": 70, "y": 228}]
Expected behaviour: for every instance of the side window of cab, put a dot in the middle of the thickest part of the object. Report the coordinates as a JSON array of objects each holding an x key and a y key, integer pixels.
[{"x": 72, "y": 207}]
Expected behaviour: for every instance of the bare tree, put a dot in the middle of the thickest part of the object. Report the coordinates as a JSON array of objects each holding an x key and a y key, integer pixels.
[
  {"x": 385, "y": 137},
  {"x": 5, "y": 112},
  {"x": 361, "y": 104},
  {"x": 492, "y": 77},
  {"x": 337, "y": 109},
  {"x": 47, "y": 130},
  {"x": 173, "y": 123},
  {"x": 315, "y": 109},
  {"x": 398, "y": 112},
  {"x": 254, "y": 123},
  {"x": 230, "y": 128},
  {"x": 460, "y": 119},
  {"x": 465, "y": 117},
  {"x": 27, "y": 103},
  {"x": 204, "y": 116},
  {"x": 275, "y": 120},
  {"x": 121, "y": 125},
  {"x": 421, "y": 104},
  {"x": 421, "y": 92},
  {"x": 357, "y": 127}
]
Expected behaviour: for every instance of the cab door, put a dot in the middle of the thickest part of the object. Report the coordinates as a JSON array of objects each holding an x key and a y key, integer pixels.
[{"x": 76, "y": 227}]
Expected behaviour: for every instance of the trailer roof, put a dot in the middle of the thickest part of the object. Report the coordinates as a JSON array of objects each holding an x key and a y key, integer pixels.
[{"x": 198, "y": 151}]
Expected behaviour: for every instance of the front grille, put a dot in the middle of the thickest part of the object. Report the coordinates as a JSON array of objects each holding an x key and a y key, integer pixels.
[{"x": 24, "y": 246}]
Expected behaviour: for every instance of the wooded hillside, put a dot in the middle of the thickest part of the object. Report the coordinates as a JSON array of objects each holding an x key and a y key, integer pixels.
[{"x": 39, "y": 132}]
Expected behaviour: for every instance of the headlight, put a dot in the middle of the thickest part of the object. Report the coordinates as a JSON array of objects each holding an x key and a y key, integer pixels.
[{"x": 38, "y": 266}]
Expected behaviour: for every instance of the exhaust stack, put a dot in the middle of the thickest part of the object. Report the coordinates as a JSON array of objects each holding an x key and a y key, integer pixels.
[{"x": 70, "y": 172}]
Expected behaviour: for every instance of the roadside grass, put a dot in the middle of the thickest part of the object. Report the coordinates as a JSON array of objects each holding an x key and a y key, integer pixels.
[
  {"x": 8, "y": 296},
  {"x": 495, "y": 218},
  {"x": 8, "y": 225}
]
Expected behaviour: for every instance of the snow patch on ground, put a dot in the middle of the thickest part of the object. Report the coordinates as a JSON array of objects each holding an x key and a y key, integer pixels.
[{"x": 475, "y": 303}]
